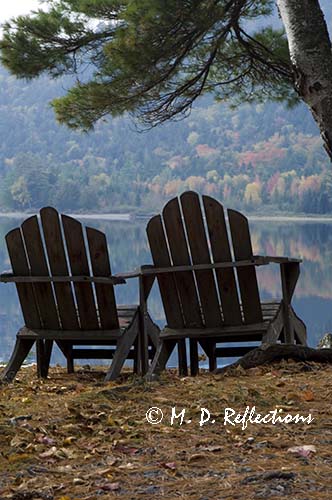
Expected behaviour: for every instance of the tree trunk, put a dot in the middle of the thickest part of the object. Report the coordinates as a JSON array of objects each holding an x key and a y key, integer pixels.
[{"x": 311, "y": 56}]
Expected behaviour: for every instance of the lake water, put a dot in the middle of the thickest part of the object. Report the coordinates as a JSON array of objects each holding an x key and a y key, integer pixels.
[{"x": 311, "y": 241}]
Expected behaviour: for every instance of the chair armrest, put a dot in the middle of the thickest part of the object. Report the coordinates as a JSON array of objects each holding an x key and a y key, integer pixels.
[
  {"x": 144, "y": 270},
  {"x": 257, "y": 260},
  {"x": 278, "y": 260},
  {"x": 8, "y": 277},
  {"x": 106, "y": 280},
  {"x": 131, "y": 274},
  {"x": 151, "y": 270}
]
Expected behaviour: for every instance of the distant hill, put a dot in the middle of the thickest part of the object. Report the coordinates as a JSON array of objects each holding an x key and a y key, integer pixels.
[{"x": 261, "y": 157}]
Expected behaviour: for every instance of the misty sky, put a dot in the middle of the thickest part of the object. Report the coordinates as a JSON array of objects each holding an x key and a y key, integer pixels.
[{"x": 16, "y": 7}]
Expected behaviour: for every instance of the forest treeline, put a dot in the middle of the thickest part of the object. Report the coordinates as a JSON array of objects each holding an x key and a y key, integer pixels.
[{"x": 255, "y": 157}]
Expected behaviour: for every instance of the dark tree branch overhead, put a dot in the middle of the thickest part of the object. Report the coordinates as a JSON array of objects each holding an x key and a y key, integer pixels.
[{"x": 154, "y": 58}]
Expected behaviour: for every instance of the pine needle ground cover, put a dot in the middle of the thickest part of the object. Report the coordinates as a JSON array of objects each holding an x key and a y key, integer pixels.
[{"x": 73, "y": 437}]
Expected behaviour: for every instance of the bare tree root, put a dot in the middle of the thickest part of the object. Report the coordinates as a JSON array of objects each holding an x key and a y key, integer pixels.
[{"x": 268, "y": 353}]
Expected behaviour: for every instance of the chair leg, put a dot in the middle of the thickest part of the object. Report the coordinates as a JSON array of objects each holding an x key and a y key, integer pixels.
[
  {"x": 136, "y": 356},
  {"x": 143, "y": 348},
  {"x": 211, "y": 353},
  {"x": 161, "y": 357},
  {"x": 70, "y": 364},
  {"x": 152, "y": 351},
  {"x": 193, "y": 345},
  {"x": 44, "y": 351},
  {"x": 182, "y": 354},
  {"x": 122, "y": 350},
  {"x": 21, "y": 350},
  {"x": 67, "y": 351},
  {"x": 209, "y": 347},
  {"x": 212, "y": 357},
  {"x": 299, "y": 328},
  {"x": 39, "y": 356},
  {"x": 48, "y": 354},
  {"x": 153, "y": 332}
]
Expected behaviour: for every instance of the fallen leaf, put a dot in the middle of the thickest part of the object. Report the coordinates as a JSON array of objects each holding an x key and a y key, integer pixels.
[
  {"x": 196, "y": 456},
  {"x": 110, "y": 421},
  {"x": 169, "y": 465},
  {"x": 128, "y": 450},
  {"x": 45, "y": 440},
  {"x": 17, "y": 442},
  {"x": 68, "y": 440},
  {"x": 127, "y": 466},
  {"x": 210, "y": 448},
  {"x": 308, "y": 395},
  {"x": 49, "y": 453},
  {"x": 110, "y": 487},
  {"x": 15, "y": 420},
  {"x": 280, "y": 383},
  {"x": 110, "y": 460},
  {"x": 17, "y": 457},
  {"x": 303, "y": 451},
  {"x": 78, "y": 480},
  {"x": 256, "y": 371}
]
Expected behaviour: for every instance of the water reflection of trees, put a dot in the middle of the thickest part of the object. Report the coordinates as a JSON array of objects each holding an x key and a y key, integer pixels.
[{"x": 310, "y": 241}]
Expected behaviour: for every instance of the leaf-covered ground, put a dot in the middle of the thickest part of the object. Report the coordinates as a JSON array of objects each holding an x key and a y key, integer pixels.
[{"x": 74, "y": 437}]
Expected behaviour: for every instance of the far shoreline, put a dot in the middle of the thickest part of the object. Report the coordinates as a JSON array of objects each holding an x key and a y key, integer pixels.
[
  {"x": 132, "y": 216},
  {"x": 117, "y": 217}
]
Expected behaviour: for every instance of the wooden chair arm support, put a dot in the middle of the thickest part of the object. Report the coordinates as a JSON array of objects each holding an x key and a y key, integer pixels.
[
  {"x": 289, "y": 272},
  {"x": 277, "y": 260},
  {"x": 107, "y": 280}
]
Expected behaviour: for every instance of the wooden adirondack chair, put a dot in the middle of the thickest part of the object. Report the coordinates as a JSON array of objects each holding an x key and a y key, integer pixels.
[
  {"x": 63, "y": 302},
  {"x": 209, "y": 296}
]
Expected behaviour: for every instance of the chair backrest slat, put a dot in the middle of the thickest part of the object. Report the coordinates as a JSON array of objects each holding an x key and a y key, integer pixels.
[
  {"x": 247, "y": 278},
  {"x": 58, "y": 266},
  {"x": 180, "y": 256},
  {"x": 205, "y": 297},
  {"x": 57, "y": 247},
  {"x": 101, "y": 267},
  {"x": 20, "y": 267},
  {"x": 166, "y": 282},
  {"x": 200, "y": 255},
  {"x": 79, "y": 267},
  {"x": 215, "y": 219},
  {"x": 38, "y": 267}
]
